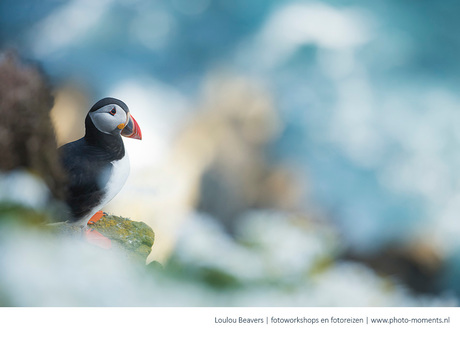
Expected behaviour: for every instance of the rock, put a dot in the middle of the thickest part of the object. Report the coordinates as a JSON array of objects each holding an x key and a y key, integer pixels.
[
  {"x": 27, "y": 137},
  {"x": 133, "y": 237}
]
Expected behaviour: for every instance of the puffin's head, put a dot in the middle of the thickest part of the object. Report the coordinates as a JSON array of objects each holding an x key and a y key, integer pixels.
[{"x": 111, "y": 116}]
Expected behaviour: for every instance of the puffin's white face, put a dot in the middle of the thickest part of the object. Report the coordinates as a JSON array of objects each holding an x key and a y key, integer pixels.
[{"x": 110, "y": 119}]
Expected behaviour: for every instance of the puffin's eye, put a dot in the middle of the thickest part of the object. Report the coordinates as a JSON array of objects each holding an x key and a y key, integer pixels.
[{"x": 113, "y": 111}]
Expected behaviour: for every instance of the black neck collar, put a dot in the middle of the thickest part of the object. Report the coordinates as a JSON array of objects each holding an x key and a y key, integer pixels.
[{"x": 111, "y": 144}]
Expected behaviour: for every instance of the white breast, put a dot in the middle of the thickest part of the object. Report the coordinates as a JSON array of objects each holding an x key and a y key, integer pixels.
[{"x": 120, "y": 172}]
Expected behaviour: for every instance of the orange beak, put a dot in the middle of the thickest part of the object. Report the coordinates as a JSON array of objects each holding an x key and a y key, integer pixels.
[{"x": 132, "y": 129}]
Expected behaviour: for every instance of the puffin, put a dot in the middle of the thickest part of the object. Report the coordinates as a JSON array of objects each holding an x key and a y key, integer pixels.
[{"x": 97, "y": 165}]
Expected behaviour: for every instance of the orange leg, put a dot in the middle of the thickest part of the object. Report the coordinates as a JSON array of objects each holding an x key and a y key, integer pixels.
[{"x": 96, "y": 217}]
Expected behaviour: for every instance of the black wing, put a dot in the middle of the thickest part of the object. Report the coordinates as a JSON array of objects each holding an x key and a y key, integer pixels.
[{"x": 88, "y": 171}]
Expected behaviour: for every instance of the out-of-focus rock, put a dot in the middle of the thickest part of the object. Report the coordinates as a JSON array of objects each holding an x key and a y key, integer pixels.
[
  {"x": 224, "y": 149},
  {"x": 27, "y": 140}
]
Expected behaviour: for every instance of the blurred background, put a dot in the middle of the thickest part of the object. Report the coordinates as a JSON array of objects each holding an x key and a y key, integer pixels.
[{"x": 293, "y": 152}]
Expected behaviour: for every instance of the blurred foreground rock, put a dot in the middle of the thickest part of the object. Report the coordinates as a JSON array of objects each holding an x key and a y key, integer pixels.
[{"x": 207, "y": 268}]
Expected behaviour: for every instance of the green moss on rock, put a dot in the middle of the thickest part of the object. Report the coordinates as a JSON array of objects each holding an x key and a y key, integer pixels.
[{"x": 136, "y": 238}]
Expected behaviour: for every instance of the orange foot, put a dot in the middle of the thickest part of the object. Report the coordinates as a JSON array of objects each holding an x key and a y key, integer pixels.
[
  {"x": 96, "y": 217},
  {"x": 95, "y": 238}
]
